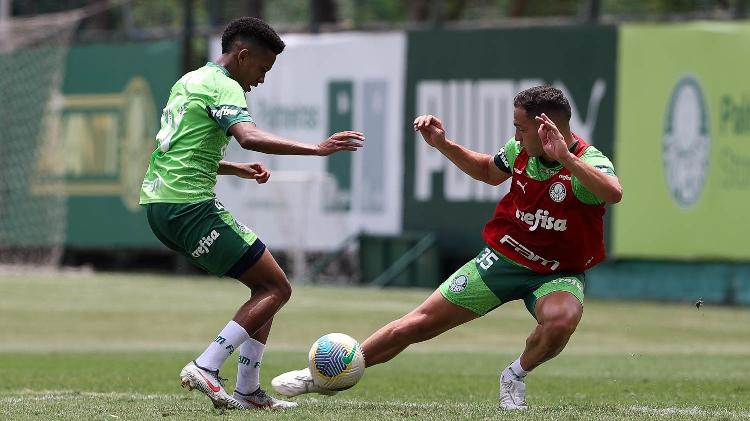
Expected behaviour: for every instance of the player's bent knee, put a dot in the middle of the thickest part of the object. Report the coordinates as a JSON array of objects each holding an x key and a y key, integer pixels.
[
  {"x": 279, "y": 292},
  {"x": 284, "y": 292},
  {"x": 563, "y": 308},
  {"x": 561, "y": 323},
  {"x": 561, "y": 328}
]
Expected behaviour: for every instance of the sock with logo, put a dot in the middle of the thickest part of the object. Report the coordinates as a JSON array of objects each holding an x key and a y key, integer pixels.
[
  {"x": 516, "y": 370},
  {"x": 248, "y": 366},
  {"x": 219, "y": 350}
]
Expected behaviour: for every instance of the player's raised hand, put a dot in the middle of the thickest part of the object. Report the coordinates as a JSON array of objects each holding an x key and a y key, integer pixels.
[
  {"x": 553, "y": 141},
  {"x": 431, "y": 129},
  {"x": 341, "y": 141},
  {"x": 253, "y": 171}
]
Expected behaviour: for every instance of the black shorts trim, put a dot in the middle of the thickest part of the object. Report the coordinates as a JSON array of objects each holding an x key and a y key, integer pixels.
[{"x": 250, "y": 258}]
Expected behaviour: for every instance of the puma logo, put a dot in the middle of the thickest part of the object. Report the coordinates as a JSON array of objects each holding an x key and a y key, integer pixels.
[{"x": 522, "y": 186}]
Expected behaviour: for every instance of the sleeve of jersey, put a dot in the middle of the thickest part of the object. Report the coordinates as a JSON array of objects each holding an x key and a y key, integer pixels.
[
  {"x": 505, "y": 158},
  {"x": 593, "y": 157},
  {"x": 229, "y": 108}
]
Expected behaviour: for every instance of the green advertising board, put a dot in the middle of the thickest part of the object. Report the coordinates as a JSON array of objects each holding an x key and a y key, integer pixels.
[
  {"x": 468, "y": 78},
  {"x": 683, "y": 141},
  {"x": 111, "y": 99}
]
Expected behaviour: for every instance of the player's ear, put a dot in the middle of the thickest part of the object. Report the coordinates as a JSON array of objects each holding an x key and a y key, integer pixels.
[{"x": 243, "y": 55}]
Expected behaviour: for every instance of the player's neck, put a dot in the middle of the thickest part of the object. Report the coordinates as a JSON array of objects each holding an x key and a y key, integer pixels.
[{"x": 225, "y": 60}]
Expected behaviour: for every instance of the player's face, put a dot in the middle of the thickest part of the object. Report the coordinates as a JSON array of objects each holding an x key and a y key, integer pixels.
[
  {"x": 526, "y": 132},
  {"x": 254, "y": 62}
]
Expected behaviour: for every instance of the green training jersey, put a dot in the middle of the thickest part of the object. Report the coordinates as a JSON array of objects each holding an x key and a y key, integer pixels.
[
  {"x": 540, "y": 170},
  {"x": 202, "y": 106}
]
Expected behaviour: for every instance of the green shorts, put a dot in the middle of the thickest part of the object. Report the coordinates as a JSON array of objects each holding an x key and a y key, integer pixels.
[
  {"x": 207, "y": 234},
  {"x": 485, "y": 283}
]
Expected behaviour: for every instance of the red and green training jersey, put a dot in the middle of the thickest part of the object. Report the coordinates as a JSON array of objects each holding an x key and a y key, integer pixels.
[{"x": 548, "y": 221}]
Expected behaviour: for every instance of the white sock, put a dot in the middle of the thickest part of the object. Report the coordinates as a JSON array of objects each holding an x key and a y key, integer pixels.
[
  {"x": 219, "y": 350},
  {"x": 517, "y": 370},
  {"x": 248, "y": 366}
]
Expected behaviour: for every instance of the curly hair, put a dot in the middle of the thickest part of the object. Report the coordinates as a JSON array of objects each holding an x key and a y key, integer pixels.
[
  {"x": 253, "y": 30},
  {"x": 543, "y": 99}
]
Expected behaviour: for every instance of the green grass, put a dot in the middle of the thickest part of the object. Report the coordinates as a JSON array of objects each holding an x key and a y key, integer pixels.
[{"x": 110, "y": 347}]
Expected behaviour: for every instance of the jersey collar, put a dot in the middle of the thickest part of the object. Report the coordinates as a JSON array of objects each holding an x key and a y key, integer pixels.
[{"x": 222, "y": 68}]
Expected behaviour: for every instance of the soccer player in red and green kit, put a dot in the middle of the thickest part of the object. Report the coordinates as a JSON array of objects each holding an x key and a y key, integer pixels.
[
  {"x": 207, "y": 107},
  {"x": 544, "y": 235}
]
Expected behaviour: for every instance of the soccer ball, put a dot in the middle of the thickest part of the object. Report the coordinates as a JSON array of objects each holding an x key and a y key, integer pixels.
[{"x": 336, "y": 361}]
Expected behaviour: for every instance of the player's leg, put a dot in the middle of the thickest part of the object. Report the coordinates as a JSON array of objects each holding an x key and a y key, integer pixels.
[
  {"x": 270, "y": 291},
  {"x": 247, "y": 390},
  {"x": 464, "y": 296},
  {"x": 249, "y": 362},
  {"x": 215, "y": 241},
  {"x": 558, "y": 307},
  {"x": 431, "y": 318},
  {"x": 558, "y": 315}
]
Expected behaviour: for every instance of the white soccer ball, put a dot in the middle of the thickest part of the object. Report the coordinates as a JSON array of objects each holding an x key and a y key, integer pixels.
[{"x": 336, "y": 361}]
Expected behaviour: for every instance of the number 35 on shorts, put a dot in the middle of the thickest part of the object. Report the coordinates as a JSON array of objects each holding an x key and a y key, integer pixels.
[{"x": 487, "y": 258}]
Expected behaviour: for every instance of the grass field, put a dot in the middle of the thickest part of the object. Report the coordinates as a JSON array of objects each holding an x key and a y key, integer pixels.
[{"x": 109, "y": 347}]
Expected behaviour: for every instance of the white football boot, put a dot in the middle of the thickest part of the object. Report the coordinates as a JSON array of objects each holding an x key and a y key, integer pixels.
[
  {"x": 294, "y": 383},
  {"x": 512, "y": 392},
  {"x": 193, "y": 376},
  {"x": 261, "y": 400}
]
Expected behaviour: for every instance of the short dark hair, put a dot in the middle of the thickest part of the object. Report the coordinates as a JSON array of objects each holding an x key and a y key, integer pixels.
[
  {"x": 543, "y": 99},
  {"x": 253, "y": 30}
]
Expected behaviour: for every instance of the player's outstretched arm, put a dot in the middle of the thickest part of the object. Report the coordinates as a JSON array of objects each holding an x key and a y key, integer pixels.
[
  {"x": 253, "y": 138},
  {"x": 250, "y": 170},
  {"x": 604, "y": 186},
  {"x": 477, "y": 165}
]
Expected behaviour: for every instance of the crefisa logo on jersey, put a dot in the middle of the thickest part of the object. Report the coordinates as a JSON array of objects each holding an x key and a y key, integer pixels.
[
  {"x": 541, "y": 219},
  {"x": 686, "y": 142},
  {"x": 224, "y": 111}
]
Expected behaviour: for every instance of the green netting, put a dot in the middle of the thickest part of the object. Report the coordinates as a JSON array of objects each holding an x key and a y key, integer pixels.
[{"x": 32, "y": 215}]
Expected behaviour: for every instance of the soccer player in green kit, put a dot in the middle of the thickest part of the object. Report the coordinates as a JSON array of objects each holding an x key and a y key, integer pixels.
[
  {"x": 545, "y": 233},
  {"x": 205, "y": 108}
]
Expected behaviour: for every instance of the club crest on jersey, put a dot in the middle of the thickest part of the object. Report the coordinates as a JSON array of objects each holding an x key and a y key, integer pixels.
[
  {"x": 459, "y": 283},
  {"x": 557, "y": 192},
  {"x": 242, "y": 226}
]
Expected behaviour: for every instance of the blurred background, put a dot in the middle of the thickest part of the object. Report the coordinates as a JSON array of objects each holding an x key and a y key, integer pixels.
[{"x": 660, "y": 86}]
